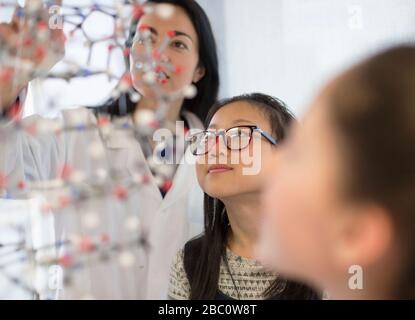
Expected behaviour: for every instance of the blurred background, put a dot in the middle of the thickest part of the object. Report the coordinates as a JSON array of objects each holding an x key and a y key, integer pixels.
[{"x": 287, "y": 48}]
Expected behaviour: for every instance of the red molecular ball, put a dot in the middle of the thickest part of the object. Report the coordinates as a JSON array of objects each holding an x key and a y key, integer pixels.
[
  {"x": 6, "y": 74},
  {"x": 31, "y": 129},
  {"x": 127, "y": 80},
  {"x": 3, "y": 180},
  {"x": 143, "y": 28},
  {"x": 126, "y": 52},
  {"x": 156, "y": 55},
  {"x": 158, "y": 68},
  {"x": 65, "y": 171},
  {"x": 105, "y": 238},
  {"x": 103, "y": 121},
  {"x": 178, "y": 70},
  {"x": 167, "y": 186},
  {"x": 14, "y": 112},
  {"x": 28, "y": 42},
  {"x": 40, "y": 53},
  {"x": 42, "y": 25},
  {"x": 171, "y": 34},
  {"x": 138, "y": 12},
  {"x": 64, "y": 201},
  {"x": 120, "y": 192},
  {"x": 154, "y": 124},
  {"x": 21, "y": 185},
  {"x": 163, "y": 81},
  {"x": 86, "y": 245},
  {"x": 146, "y": 179},
  {"x": 65, "y": 261}
]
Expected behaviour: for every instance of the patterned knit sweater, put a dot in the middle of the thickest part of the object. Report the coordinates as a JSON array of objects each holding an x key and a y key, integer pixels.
[{"x": 250, "y": 277}]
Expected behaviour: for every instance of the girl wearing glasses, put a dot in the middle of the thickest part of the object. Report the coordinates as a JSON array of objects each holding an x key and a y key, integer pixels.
[
  {"x": 170, "y": 213},
  {"x": 220, "y": 263}
]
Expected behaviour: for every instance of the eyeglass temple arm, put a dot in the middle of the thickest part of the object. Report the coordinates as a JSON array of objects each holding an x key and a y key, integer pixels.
[{"x": 266, "y": 135}]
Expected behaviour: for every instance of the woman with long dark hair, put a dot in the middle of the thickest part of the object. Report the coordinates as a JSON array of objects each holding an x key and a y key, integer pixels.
[
  {"x": 207, "y": 86},
  {"x": 171, "y": 213},
  {"x": 220, "y": 263}
]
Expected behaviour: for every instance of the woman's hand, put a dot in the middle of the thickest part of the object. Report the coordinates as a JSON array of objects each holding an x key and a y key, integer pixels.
[{"x": 29, "y": 47}]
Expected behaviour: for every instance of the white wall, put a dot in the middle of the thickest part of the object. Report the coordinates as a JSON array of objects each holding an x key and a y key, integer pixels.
[{"x": 288, "y": 48}]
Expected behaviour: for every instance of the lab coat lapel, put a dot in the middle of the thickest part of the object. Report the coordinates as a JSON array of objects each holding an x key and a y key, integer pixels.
[
  {"x": 185, "y": 175},
  {"x": 125, "y": 153}
]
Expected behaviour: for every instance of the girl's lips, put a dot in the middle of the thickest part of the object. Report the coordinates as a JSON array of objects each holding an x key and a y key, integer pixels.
[{"x": 219, "y": 169}]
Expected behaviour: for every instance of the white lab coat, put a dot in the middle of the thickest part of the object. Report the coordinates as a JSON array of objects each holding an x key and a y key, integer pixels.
[{"x": 169, "y": 221}]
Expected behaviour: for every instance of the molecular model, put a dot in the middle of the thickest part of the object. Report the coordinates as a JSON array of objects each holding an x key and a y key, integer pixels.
[{"x": 70, "y": 198}]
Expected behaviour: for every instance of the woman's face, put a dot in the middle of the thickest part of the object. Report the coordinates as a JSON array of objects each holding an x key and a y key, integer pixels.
[
  {"x": 180, "y": 51},
  {"x": 224, "y": 173},
  {"x": 302, "y": 202}
]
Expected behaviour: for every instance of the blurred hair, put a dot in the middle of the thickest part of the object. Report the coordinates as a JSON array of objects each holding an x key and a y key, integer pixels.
[{"x": 372, "y": 108}]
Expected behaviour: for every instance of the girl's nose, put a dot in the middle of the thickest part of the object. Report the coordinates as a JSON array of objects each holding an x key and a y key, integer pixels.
[{"x": 219, "y": 149}]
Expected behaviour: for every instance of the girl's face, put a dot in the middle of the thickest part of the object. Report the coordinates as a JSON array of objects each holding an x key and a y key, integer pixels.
[
  {"x": 224, "y": 173},
  {"x": 301, "y": 200},
  {"x": 176, "y": 41},
  {"x": 313, "y": 231}
]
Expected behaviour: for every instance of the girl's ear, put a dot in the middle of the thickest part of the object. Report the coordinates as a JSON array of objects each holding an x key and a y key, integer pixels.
[
  {"x": 199, "y": 73},
  {"x": 366, "y": 236}
]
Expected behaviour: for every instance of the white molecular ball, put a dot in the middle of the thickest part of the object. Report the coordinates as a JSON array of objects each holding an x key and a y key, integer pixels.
[
  {"x": 132, "y": 223},
  {"x": 77, "y": 177},
  {"x": 135, "y": 97},
  {"x": 137, "y": 178},
  {"x": 74, "y": 68},
  {"x": 96, "y": 150},
  {"x": 148, "y": 9},
  {"x": 126, "y": 259},
  {"x": 90, "y": 220},
  {"x": 165, "y": 11},
  {"x": 115, "y": 94},
  {"x": 165, "y": 170},
  {"x": 33, "y": 6},
  {"x": 74, "y": 239},
  {"x": 145, "y": 34},
  {"x": 152, "y": 162},
  {"x": 150, "y": 78},
  {"x": 101, "y": 174},
  {"x": 144, "y": 117},
  {"x": 48, "y": 127},
  {"x": 43, "y": 35},
  {"x": 159, "y": 181},
  {"x": 190, "y": 92},
  {"x": 26, "y": 65}
]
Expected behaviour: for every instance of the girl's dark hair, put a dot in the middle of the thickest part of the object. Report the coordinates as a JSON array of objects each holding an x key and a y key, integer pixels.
[
  {"x": 372, "y": 108},
  {"x": 207, "y": 87},
  {"x": 203, "y": 255}
]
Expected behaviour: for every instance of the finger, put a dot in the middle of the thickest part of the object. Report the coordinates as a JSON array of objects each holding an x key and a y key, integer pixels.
[
  {"x": 6, "y": 33},
  {"x": 17, "y": 18}
]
